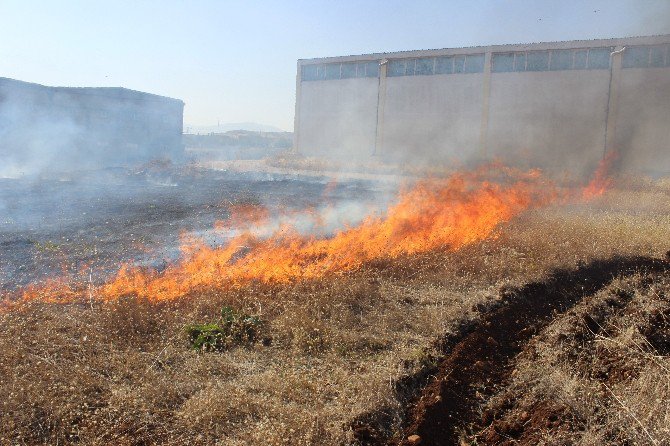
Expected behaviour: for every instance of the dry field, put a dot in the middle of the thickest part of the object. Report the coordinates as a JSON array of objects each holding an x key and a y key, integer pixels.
[{"x": 343, "y": 358}]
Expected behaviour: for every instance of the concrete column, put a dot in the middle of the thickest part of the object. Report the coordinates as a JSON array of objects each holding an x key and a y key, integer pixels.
[
  {"x": 484, "y": 126},
  {"x": 613, "y": 100},
  {"x": 381, "y": 107},
  {"x": 296, "y": 118}
]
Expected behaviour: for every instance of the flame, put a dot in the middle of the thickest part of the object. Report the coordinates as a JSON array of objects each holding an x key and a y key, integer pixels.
[
  {"x": 434, "y": 214},
  {"x": 602, "y": 179}
]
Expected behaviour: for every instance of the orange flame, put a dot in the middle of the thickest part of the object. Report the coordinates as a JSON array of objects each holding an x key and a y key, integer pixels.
[
  {"x": 602, "y": 179},
  {"x": 434, "y": 214}
]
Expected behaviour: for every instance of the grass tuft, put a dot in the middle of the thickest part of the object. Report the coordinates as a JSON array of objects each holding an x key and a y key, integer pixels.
[{"x": 233, "y": 328}]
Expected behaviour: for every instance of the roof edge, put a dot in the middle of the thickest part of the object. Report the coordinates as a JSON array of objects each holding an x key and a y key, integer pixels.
[
  {"x": 93, "y": 91},
  {"x": 561, "y": 44}
]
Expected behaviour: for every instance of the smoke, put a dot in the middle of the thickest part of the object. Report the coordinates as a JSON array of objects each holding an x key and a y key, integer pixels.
[
  {"x": 45, "y": 130},
  {"x": 31, "y": 141}
]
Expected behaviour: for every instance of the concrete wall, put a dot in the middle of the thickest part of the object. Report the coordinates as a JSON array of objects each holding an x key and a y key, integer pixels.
[
  {"x": 563, "y": 119},
  {"x": 432, "y": 117},
  {"x": 551, "y": 119},
  {"x": 339, "y": 117},
  {"x": 642, "y": 132}
]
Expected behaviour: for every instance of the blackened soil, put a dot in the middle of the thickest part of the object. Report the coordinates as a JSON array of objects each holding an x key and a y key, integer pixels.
[
  {"x": 63, "y": 225},
  {"x": 482, "y": 360}
]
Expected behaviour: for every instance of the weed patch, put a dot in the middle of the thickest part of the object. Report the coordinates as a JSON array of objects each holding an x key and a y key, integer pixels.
[{"x": 233, "y": 328}]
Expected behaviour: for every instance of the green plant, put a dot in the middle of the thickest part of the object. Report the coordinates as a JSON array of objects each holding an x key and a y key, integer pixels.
[
  {"x": 231, "y": 329},
  {"x": 47, "y": 246}
]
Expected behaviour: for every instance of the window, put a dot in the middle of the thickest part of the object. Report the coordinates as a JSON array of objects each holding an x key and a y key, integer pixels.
[
  {"x": 502, "y": 62},
  {"x": 580, "y": 59},
  {"x": 348, "y": 70},
  {"x": 434, "y": 65},
  {"x": 657, "y": 58},
  {"x": 636, "y": 57},
  {"x": 444, "y": 65},
  {"x": 474, "y": 63},
  {"x": 599, "y": 58},
  {"x": 395, "y": 68},
  {"x": 561, "y": 60},
  {"x": 360, "y": 69},
  {"x": 520, "y": 62},
  {"x": 409, "y": 67},
  {"x": 459, "y": 64},
  {"x": 309, "y": 72},
  {"x": 424, "y": 66},
  {"x": 537, "y": 61},
  {"x": 333, "y": 71},
  {"x": 372, "y": 69}
]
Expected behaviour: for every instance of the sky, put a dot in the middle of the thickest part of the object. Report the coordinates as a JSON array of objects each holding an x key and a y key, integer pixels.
[{"x": 235, "y": 61}]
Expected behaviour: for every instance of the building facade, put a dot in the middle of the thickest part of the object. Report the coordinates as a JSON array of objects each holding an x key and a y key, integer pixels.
[
  {"x": 86, "y": 127},
  {"x": 560, "y": 106}
]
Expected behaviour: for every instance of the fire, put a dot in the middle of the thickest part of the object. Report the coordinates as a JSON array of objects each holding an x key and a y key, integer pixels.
[
  {"x": 440, "y": 213},
  {"x": 602, "y": 180},
  {"x": 433, "y": 214}
]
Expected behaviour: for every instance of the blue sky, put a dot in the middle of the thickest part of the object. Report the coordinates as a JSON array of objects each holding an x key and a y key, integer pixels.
[{"x": 235, "y": 61}]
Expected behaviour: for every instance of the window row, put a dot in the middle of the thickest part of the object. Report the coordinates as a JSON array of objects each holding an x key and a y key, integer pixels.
[
  {"x": 646, "y": 56},
  {"x": 340, "y": 70},
  {"x": 552, "y": 60},
  {"x": 470, "y": 63},
  {"x": 549, "y": 60}
]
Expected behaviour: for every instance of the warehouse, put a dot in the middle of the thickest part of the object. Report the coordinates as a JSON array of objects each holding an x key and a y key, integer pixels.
[
  {"x": 63, "y": 127},
  {"x": 560, "y": 105}
]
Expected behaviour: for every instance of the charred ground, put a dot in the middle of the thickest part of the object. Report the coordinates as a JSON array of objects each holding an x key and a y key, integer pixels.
[{"x": 78, "y": 222}]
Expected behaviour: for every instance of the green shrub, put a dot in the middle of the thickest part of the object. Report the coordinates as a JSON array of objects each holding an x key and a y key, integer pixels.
[{"x": 233, "y": 328}]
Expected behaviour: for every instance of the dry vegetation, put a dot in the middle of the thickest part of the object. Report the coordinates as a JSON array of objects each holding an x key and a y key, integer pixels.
[
  {"x": 599, "y": 374},
  {"x": 123, "y": 373}
]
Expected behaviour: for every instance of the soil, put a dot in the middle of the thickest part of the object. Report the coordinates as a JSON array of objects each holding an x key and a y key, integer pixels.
[
  {"x": 482, "y": 360},
  {"x": 64, "y": 224}
]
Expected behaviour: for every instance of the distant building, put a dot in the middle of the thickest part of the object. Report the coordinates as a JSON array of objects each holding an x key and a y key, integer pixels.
[
  {"x": 44, "y": 126},
  {"x": 558, "y": 105}
]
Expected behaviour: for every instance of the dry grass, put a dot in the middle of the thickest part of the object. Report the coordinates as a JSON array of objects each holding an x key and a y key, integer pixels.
[
  {"x": 599, "y": 374},
  {"x": 122, "y": 373}
]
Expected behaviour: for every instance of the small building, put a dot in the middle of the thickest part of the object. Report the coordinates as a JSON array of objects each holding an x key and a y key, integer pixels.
[
  {"x": 558, "y": 105},
  {"x": 64, "y": 127}
]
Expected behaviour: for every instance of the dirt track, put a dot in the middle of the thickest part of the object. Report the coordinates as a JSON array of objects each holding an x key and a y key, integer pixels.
[{"x": 482, "y": 359}]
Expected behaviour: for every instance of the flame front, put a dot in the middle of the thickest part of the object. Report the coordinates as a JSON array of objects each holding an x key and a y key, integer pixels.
[
  {"x": 434, "y": 214},
  {"x": 602, "y": 179}
]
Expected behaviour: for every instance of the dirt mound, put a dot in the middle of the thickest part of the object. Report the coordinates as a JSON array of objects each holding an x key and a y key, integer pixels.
[
  {"x": 482, "y": 360},
  {"x": 597, "y": 374}
]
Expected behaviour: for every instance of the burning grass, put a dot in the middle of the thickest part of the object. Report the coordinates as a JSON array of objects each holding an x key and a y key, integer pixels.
[
  {"x": 433, "y": 214},
  {"x": 120, "y": 370}
]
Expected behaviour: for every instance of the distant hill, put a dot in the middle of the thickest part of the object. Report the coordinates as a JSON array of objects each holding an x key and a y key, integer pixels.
[{"x": 226, "y": 127}]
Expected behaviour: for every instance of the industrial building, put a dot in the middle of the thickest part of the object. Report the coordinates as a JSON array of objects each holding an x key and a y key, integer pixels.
[
  {"x": 65, "y": 127},
  {"x": 560, "y": 105}
]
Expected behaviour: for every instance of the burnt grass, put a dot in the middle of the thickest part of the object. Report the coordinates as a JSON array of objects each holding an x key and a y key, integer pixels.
[
  {"x": 444, "y": 400},
  {"x": 60, "y": 225}
]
